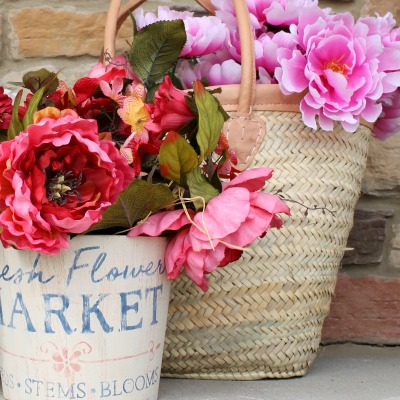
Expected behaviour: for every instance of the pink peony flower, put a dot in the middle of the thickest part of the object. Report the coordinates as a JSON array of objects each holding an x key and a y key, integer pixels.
[
  {"x": 272, "y": 12},
  {"x": 266, "y": 49},
  {"x": 204, "y": 34},
  {"x": 388, "y": 122},
  {"x": 170, "y": 110},
  {"x": 57, "y": 177},
  {"x": 286, "y": 12},
  {"x": 216, "y": 236},
  {"x": 143, "y": 18},
  {"x": 381, "y": 29},
  {"x": 216, "y": 69},
  {"x": 338, "y": 65}
]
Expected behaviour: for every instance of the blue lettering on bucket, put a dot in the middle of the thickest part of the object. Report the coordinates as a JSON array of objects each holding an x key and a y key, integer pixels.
[
  {"x": 79, "y": 389},
  {"x": 55, "y": 313}
]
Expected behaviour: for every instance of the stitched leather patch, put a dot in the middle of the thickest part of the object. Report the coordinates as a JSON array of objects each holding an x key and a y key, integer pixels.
[{"x": 245, "y": 133}]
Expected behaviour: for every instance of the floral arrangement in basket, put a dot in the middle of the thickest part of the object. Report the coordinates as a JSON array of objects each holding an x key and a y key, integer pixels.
[
  {"x": 127, "y": 150},
  {"x": 349, "y": 70}
]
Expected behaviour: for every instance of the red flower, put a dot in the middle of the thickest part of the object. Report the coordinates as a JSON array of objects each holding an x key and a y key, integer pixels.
[
  {"x": 170, "y": 111},
  {"x": 57, "y": 178},
  {"x": 5, "y": 109},
  {"x": 136, "y": 146}
]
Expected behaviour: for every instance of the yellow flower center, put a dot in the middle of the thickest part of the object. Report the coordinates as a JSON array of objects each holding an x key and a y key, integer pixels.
[{"x": 337, "y": 66}]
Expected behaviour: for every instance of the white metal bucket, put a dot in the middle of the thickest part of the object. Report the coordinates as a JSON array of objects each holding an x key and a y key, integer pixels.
[{"x": 88, "y": 323}]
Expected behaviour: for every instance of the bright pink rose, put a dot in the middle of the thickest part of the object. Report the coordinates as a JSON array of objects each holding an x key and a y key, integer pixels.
[
  {"x": 170, "y": 110},
  {"x": 231, "y": 221},
  {"x": 338, "y": 65},
  {"x": 57, "y": 178},
  {"x": 388, "y": 122},
  {"x": 5, "y": 109}
]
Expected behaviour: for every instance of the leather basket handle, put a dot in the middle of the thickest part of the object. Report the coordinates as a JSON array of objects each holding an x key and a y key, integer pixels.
[{"x": 117, "y": 15}]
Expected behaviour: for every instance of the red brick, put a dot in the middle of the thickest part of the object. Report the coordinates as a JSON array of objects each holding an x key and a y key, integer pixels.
[{"x": 364, "y": 310}]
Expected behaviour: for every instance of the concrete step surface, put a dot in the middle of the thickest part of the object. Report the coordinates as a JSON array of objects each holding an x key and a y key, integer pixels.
[{"x": 340, "y": 372}]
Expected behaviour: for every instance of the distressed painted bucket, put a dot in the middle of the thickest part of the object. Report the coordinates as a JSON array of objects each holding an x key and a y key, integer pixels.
[{"x": 88, "y": 323}]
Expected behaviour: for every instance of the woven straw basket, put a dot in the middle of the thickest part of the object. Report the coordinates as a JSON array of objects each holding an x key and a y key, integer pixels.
[{"x": 262, "y": 316}]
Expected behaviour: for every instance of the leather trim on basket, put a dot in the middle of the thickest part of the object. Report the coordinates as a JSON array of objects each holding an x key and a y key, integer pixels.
[{"x": 269, "y": 97}]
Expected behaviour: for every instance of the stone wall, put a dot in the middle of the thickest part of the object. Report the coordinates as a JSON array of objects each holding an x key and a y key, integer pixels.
[{"x": 366, "y": 307}]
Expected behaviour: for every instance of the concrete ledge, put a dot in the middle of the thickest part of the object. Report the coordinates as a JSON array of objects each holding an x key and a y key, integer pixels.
[{"x": 341, "y": 372}]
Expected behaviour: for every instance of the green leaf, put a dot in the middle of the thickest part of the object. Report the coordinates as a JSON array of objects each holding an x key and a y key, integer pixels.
[
  {"x": 156, "y": 48},
  {"x": 151, "y": 91},
  {"x": 177, "y": 157},
  {"x": 135, "y": 203},
  {"x": 32, "y": 107},
  {"x": 200, "y": 187},
  {"x": 134, "y": 24},
  {"x": 211, "y": 120},
  {"x": 3, "y": 135},
  {"x": 15, "y": 125},
  {"x": 189, "y": 131},
  {"x": 34, "y": 80}
]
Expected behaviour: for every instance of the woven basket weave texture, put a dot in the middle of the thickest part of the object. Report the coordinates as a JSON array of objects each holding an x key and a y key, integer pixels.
[{"x": 262, "y": 316}]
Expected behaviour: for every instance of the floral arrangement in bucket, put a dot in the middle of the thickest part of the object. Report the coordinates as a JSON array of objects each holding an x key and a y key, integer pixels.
[{"x": 125, "y": 151}]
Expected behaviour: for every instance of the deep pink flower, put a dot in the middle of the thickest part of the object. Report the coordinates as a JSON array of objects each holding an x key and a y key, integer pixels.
[
  {"x": 388, "y": 122},
  {"x": 57, "y": 178},
  {"x": 338, "y": 65},
  {"x": 170, "y": 110},
  {"x": 216, "y": 236}
]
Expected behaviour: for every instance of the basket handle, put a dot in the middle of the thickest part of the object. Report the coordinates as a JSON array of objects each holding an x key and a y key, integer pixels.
[{"x": 115, "y": 19}]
